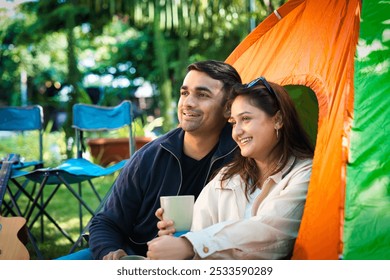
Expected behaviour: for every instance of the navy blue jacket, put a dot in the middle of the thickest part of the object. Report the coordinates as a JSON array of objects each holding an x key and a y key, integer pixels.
[{"x": 128, "y": 219}]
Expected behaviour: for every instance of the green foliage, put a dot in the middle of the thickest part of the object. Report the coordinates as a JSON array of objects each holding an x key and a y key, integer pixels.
[
  {"x": 147, "y": 128},
  {"x": 51, "y": 39},
  {"x": 26, "y": 144},
  {"x": 114, "y": 34}
]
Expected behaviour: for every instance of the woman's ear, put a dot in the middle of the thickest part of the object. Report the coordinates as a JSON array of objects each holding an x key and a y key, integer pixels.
[{"x": 278, "y": 120}]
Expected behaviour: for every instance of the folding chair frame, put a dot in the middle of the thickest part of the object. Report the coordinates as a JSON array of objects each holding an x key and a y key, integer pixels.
[{"x": 77, "y": 170}]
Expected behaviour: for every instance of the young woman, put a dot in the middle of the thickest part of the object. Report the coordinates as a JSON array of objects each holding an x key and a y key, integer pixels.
[{"x": 253, "y": 208}]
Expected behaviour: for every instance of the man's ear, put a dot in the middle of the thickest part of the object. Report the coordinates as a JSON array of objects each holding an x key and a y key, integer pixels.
[{"x": 278, "y": 120}]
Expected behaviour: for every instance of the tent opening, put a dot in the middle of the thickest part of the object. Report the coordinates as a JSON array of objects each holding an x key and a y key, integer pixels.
[{"x": 306, "y": 103}]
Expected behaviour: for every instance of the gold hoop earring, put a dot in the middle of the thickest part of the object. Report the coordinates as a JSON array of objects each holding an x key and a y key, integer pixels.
[{"x": 277, "y": 133}]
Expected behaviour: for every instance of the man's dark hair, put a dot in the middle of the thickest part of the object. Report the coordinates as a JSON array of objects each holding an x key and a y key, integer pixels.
[{"x": 220, "y": 71}]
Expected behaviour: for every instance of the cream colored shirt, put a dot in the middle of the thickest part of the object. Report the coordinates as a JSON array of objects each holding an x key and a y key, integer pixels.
[{"x": 220, "y": 230}]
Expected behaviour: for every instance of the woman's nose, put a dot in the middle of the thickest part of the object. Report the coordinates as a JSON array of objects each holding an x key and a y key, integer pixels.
[{"x": 237, "y": 130}]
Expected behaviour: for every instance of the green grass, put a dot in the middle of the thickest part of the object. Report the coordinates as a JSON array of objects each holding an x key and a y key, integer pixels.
[{"x": 64, "y": 206}]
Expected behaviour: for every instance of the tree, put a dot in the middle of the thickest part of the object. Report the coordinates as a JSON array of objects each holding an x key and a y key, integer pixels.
[
  {"x": 64, "y": 17},
  {"x": 185, "y": 31},
  {"x": 176, "y": 33}
]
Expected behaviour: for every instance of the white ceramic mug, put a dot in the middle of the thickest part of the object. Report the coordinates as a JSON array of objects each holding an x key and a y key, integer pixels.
[{"x": 179, "y": 209}]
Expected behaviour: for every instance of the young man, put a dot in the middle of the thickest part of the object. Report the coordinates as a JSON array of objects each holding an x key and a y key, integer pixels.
[{"x": 180, "y": 162}]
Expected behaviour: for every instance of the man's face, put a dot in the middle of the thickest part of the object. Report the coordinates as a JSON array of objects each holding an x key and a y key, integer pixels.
[{"x": 200, "y": 107}]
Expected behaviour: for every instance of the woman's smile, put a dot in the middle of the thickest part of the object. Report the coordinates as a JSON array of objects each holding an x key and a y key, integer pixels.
[{"x": 244, "y": 140}]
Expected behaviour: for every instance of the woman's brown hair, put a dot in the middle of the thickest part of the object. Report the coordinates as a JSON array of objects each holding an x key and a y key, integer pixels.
[{"x": 293, "y": 139}]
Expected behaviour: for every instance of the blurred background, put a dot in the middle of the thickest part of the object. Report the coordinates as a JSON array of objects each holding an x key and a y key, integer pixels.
[
  {"x": 60, "y": 52},
  {"x": 56, "y": 53}
]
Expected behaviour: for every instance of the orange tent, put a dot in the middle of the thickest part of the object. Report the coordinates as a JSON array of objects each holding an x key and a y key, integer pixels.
[{"x": 312, "y": 43}]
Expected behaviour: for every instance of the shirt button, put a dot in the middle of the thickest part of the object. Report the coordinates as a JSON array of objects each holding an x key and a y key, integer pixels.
[{"x": 205, "y": 249}]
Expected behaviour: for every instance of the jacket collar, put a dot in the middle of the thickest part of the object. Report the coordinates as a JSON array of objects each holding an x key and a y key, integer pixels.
[
  {"x": 174, "y": 142},
  {"x": 226, "y": 144}
]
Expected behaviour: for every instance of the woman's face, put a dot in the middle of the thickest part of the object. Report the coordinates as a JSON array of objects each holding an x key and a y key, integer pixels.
[{"x": 253, "y": 130}]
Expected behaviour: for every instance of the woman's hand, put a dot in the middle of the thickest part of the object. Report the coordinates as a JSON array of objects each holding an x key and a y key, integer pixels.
[
  {"x": 165, "y": 227},
  {"x": 170, "y": 248}
]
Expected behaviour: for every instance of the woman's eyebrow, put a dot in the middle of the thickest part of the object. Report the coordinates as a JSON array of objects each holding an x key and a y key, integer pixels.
[{"x": 244, "y": 113}]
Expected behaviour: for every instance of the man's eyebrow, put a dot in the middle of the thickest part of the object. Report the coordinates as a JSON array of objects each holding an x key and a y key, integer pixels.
[{"x": 200, "y": 88}]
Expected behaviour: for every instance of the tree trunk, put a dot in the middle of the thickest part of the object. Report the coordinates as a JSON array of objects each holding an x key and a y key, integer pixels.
[
  {"x": 183, "y": 59},
  {"x": 77, "y": 94},
  {"x": 165, "y": 84}
]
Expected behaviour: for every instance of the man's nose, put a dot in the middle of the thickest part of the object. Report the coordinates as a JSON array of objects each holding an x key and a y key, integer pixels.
[{"x": 189, "y": 100}]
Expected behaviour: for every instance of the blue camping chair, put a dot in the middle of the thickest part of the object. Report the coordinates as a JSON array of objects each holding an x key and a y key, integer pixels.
[
  {"x": 27, "y": 121},
  {"x": 20, "y": 120},
  {"x": 86, "y": 118}
]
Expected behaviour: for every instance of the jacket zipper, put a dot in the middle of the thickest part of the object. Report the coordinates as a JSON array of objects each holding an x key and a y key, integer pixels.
[
  {"x": 181, "y": 172},
  {"x": 212, "y": 163}
]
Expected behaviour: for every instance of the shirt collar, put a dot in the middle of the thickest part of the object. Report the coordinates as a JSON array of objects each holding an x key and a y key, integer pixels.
[{"x": 277, "y": 177}]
